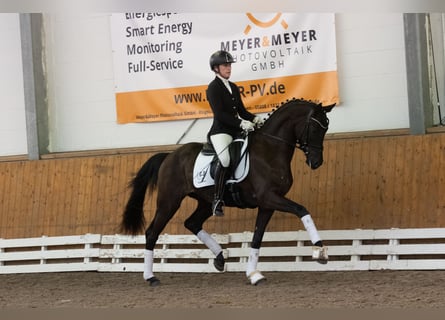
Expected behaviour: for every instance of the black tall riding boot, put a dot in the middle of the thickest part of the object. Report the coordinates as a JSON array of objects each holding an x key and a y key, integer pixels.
[{"x": 221, "y": 174}]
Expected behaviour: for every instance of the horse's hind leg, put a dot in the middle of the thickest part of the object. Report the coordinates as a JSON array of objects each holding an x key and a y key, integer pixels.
[
  {"x": 252, "y": 273},
  {"x": 195, "y": 222},
  {"x": 163, "y": 215}
]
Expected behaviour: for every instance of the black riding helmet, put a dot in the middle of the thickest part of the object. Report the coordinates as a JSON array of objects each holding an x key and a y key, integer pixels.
[{"x": 220, "y": 57}]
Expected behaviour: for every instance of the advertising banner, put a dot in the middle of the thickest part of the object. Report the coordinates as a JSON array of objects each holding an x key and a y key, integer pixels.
[{"x": 161, "y": 61}]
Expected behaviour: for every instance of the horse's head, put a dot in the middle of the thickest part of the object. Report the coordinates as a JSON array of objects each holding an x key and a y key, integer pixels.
[
  {"x": 301, "y": 121},
  {"x": 312, "y": 137}
]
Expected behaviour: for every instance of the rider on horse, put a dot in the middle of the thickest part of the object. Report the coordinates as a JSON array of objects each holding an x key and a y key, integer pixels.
[{"x": 230, "y": 119}]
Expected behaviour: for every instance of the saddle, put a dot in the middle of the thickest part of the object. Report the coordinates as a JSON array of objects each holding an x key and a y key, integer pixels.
[
  {"x": 208, "y": 150},
  {"x": 205, "y": 163}
]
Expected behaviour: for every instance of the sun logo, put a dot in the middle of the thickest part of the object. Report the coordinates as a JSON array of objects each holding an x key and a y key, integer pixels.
[{"x": 264, "y": 24}]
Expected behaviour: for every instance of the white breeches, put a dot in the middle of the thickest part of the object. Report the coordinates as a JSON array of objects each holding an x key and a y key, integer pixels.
[{"x": 221, "y": 142}]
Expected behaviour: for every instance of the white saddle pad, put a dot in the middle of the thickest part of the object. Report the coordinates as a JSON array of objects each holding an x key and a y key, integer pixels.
[{"x": 201, "y": 169}]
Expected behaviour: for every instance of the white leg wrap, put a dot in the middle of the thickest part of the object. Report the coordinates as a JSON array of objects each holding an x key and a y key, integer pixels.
[
  {"x": 209, "y": 242},
  {"x": 253, "y": 261},
  {"x": 310, "y": 228},
  {"x": 148, "y": 264},
  {"x": 251, "y": 270}
]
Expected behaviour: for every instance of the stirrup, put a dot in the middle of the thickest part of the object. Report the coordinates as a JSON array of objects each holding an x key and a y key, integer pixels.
[{"x": 217, "y": 208}]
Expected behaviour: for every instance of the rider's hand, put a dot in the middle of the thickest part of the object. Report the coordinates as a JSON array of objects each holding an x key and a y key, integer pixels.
[
  {"x": 258, "y": 122},
  {"x": 247, "y": 125}
]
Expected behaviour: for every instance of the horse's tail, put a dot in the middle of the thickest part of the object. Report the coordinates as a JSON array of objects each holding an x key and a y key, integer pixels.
[{"x": 133, "y": 220}]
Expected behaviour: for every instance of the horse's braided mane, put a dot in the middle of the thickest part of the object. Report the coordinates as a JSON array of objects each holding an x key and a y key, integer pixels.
[{"x": 290, "y": 102}]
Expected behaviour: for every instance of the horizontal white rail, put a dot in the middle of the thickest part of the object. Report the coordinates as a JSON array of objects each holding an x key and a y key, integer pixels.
[
  {"x": 50, "y": 254},
  {"x": 396, "y": 249}
]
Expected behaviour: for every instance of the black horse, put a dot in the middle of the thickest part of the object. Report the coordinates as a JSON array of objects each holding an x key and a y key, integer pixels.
[{"x": 296, "y": 123}]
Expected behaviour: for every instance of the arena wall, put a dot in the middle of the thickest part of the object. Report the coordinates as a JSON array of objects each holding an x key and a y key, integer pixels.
[{"x": 384, "y": 180}]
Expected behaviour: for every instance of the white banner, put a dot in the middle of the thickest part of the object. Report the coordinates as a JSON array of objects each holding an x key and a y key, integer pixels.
[{"x": 161, "y": 61}]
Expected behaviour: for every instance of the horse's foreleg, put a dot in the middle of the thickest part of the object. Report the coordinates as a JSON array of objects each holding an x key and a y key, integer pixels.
[
  {"x": 319, "y": 252},
  {"x": 195, "y": 222}
]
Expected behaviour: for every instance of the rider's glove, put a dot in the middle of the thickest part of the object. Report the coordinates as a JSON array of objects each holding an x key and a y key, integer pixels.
[
  {"x": 247, "y": 125},
  {"x": 258, "y": 122}
]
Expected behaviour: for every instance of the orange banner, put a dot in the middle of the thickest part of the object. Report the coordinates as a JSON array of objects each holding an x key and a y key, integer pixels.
[{"x": 259, "y": 96}]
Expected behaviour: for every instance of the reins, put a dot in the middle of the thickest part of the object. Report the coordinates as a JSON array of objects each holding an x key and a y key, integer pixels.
[
  {"x": 293, "y": 145},
  {"x": 303, "y": 145}
]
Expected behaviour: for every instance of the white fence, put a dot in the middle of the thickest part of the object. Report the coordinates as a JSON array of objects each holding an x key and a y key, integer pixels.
[{"x": 396, "y": 249}]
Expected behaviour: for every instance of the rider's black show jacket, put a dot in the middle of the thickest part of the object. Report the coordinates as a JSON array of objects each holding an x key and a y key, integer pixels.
[{"x": 226, "y": 108}]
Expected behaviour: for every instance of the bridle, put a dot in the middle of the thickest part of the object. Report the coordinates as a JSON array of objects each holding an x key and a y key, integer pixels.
[{"x": 303, "y": 143}]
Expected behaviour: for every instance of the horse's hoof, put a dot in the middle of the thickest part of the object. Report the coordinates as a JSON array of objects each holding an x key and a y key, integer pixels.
[
  {"x": 320, "y": 254},
  {"x": 256, "y": 278},
  {"x": 154, "y": 282},
  {"x": 219, "y": 262},
  {"x": 261, "y": 282}
]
